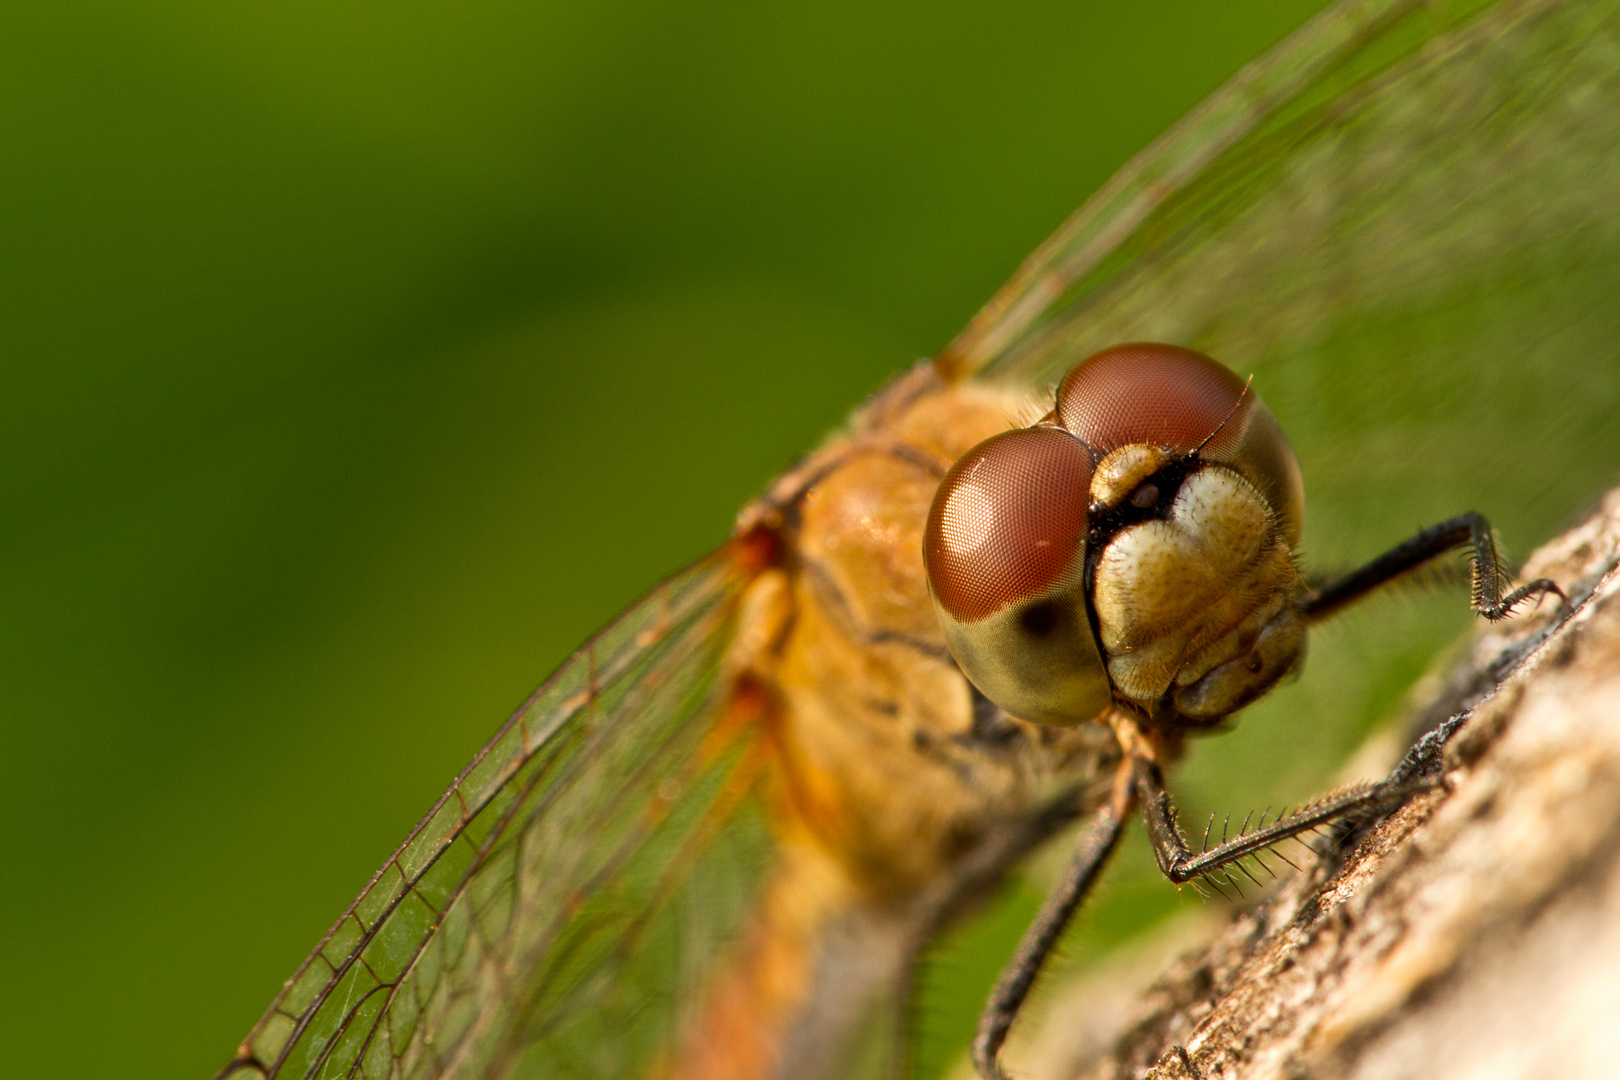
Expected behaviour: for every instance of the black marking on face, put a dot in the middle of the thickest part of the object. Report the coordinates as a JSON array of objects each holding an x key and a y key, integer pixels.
[{"x": 1151, "y": 501}]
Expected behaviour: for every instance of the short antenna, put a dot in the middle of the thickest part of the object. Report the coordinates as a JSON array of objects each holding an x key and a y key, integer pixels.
[{"x": 1236, "y": 405}]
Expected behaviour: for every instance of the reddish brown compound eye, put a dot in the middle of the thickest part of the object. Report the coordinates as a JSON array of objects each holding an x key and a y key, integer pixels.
[
  {"x": 1170, "y": 397},
  {"x": 1008, "y": 524},
  {"x": 1005, "y": 549},
  {"x": 1163, "y": 395}
]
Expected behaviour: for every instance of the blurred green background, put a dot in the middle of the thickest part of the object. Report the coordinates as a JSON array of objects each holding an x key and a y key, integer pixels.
[{"x": 360, "y": 359}]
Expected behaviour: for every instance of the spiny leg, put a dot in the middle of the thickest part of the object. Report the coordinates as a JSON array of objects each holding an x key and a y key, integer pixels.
[
  {"x": 1016, "y": 979},
  {"x": 1180, "y": 864},
  {"x": 1488, "y": 577}
]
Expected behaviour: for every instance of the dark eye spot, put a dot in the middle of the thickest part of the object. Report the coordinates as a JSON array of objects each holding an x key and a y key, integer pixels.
[
  {"x": 1145, "y": 496},
  {"x": 1039, "y": 620},
  {"x": 1256, "y": 662}
]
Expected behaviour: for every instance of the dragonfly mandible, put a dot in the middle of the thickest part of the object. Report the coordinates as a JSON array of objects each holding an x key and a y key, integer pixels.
[{"x": 714, "y": 841}]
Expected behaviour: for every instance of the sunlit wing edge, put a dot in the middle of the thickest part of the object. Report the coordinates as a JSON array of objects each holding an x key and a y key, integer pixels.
[{"x": 1257, "y": 94}]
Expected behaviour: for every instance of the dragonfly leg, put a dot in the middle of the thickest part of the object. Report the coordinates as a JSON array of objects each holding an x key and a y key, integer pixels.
[
  {"x": 1180, "y": 864},
  {"x": 1488, "y": 576},
  {"x": 1096, "y": 845}
]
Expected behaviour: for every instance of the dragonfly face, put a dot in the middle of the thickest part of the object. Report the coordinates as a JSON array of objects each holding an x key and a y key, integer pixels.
[{"x": 1135, "y": 544}]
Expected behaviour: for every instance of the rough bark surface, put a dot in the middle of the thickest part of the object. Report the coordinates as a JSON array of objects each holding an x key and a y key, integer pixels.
[{"x": 1473, "y": 933}]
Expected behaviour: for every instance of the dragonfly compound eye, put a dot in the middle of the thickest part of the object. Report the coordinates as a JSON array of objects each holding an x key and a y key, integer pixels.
[
  {"x": 1141, "y": 406},
  {"x": 1005, "y": 551}
]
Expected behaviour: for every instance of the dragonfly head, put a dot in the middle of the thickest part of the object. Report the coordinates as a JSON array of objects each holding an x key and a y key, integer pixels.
[{"x": 1135, "y": 545}]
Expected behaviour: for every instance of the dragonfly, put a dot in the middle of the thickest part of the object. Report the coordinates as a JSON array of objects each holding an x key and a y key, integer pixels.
[{"x": 715, "y": 841}]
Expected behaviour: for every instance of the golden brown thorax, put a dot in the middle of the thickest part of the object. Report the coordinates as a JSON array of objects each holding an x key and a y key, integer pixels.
[
  {"x": 886, "y": 769},
  {"x": 893, "y": 765}
]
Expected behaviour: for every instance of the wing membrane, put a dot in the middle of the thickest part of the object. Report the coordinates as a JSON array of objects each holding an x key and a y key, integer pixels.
[
  {"x": 545, "y": 904},
  {"x": 1406, "y": 222},
  {"x": 1382, "y": 150}
]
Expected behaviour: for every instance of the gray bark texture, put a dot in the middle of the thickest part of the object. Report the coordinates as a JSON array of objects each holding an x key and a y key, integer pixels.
[{"x": 1473, "y": 933}]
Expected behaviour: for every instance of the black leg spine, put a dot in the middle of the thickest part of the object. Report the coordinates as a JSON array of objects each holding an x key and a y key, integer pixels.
[{"x": 1180, "y": 865}]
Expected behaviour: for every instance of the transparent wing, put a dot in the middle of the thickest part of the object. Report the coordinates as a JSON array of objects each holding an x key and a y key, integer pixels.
[
  {"x": 546, "y": 904},
  {"x": 1401, "y": 195},
  {"x": 1406, "y": 221}
]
